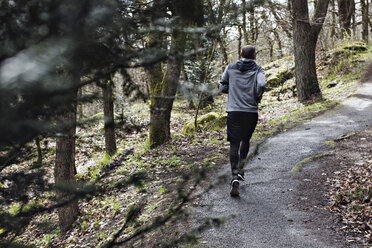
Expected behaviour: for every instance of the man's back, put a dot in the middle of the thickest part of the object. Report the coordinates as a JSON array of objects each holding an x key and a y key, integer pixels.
[{"x": 245, "y": 81}]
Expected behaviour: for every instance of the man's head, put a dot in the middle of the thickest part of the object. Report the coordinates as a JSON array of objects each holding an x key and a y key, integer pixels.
[{"x": 248, "y": 52}]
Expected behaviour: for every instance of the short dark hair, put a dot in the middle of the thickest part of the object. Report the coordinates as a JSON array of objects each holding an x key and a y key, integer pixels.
[{"x": 248, "y": 52}]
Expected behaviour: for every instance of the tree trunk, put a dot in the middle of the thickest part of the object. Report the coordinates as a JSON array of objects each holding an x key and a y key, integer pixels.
[
  {"x": 64, "y": 170},
  {"x": 39, "y": 152},
  {"x": 346, "y": 9},
  {"x": 304, "y": 50},
  {"x": 365, "y": 19},
  {"x": 163, "y": 91},
  {"x": 80, "y": 110},
  {"x": 252, "y": 26},
  {"x": 188, "y": 92},
  {"x": 280, "y": 47},
  {"x": 244, "y": 24},
  {"x": 354, "y": 25},
  {"x": 224, "y": 52},
  {"x": 108, "y": 111},
  {"x": 305, "y": 35},
  {"x": 239, "y": 40},
  {"x": 333, "y": 20}
]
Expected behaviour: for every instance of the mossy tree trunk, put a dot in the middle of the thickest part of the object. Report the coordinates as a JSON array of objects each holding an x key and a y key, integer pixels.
[
  {"x": 305, "y": 36},
  {"x": 163, "y": 87},
  {"x": 65, "y": 170},
  {"x": 108, "y": 110}
]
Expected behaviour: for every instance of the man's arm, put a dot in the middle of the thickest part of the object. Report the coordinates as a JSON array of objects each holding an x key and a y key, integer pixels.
[
  {"x": 261, "y": 84},
  {"x": 223, "y": 86}
]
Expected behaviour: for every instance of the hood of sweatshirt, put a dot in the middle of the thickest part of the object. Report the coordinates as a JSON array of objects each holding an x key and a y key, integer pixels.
[{"x": 246, "y": 64}]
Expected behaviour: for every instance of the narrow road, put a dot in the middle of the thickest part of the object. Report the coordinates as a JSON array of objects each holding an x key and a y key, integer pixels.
[{"x": 265, "y": 215}]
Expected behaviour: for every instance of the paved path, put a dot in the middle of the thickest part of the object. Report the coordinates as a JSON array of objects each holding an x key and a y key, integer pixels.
[{"x": 265, "y": 208}]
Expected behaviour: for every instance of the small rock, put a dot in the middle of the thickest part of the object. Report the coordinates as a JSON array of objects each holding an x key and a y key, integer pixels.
[{"x": 332, "y": 84}]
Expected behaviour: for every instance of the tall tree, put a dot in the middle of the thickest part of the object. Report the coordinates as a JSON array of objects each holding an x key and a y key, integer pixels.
[
  {"x": 333, "y": 20},
  {"x": 244, "y": 24},
  {"x": 305, "y": 36},
  {"x": 64, "y": 169},
  {"x": 164, "y": 85},
  {"x": 163, "y": 90},
  {"x": 365, "y": 19},
  {"x": 108, "y": 112},
  {"x": 346, "y": 9}
]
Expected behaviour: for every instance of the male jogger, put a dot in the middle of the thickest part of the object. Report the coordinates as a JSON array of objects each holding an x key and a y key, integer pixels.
[{"x": 244, "y": 82}]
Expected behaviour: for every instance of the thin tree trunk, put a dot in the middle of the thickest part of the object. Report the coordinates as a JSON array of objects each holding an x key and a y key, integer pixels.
[
  {"x": 333, "y": 20},
  {"x": 188, "y": 93},
  {"x": 239, "y": 40},
  {"x": 65, "y": 170},
  {"x": 224, "y": 53},
  {"x": 80, "y": 110},
  {"x": 39, "y": 151},
  {"x": 280, "y": 47},
  {"x": 354, "y": 26},
  {"x": 252, "y": 27},
  {"x": 108, "y": 111},
  {"x": 365, "y": 19},
  {"x": 244, "y": 24}
]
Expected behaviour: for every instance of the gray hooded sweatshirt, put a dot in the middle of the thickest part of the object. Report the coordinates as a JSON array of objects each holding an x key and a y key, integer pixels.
[{"x": 245, "y": 83}]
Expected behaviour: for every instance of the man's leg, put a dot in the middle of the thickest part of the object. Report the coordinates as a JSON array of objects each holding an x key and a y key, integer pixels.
[
  {"x": 244, "y": 149},
  {"x": 250, "y": 123},
  {"x": 234, "y": 136},
  {"x": 234, "y": 158},
  {"x": 243, "y": 152}
]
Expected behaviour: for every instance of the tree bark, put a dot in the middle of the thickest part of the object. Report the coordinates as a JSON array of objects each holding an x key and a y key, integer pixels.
[
  {"x": 64, "y": 170},
  {"x": 188, "y": 93},
  {"x": 280, "y": 46},
  {"x": 239, "y": 40},
  {"x": 224, "y": 53},
  {"x": 108, "y": 112},
  {"x": 39, "y": 152},
  {"x": 346, "y": 8},
  {"x": 163, "y": 90},
  {"x": 252, "y": 26},
  {"x": 305, "y": 36},
  {"x": 244, "y": 24},
  {"x": 365, "y": 19},
  {"x": 333, "y": 20},
  {"x": 80, "y": 110}
]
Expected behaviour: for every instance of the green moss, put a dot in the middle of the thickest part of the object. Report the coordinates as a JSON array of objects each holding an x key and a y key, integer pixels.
[
  {"x": 280, "y": 77},
  {"x": 299, "y": 165},
  {"x": 209, "y": 121},
  {"x": 331, "y": 143}
]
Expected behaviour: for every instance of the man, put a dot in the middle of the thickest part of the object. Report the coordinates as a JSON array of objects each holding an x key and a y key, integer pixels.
[{"x": 244, "y": 82}]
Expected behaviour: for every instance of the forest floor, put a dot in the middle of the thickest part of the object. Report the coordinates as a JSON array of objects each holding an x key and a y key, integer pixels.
[
  {"x": 166, "y": 173},
  {"x": 337, "y": 191}
]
